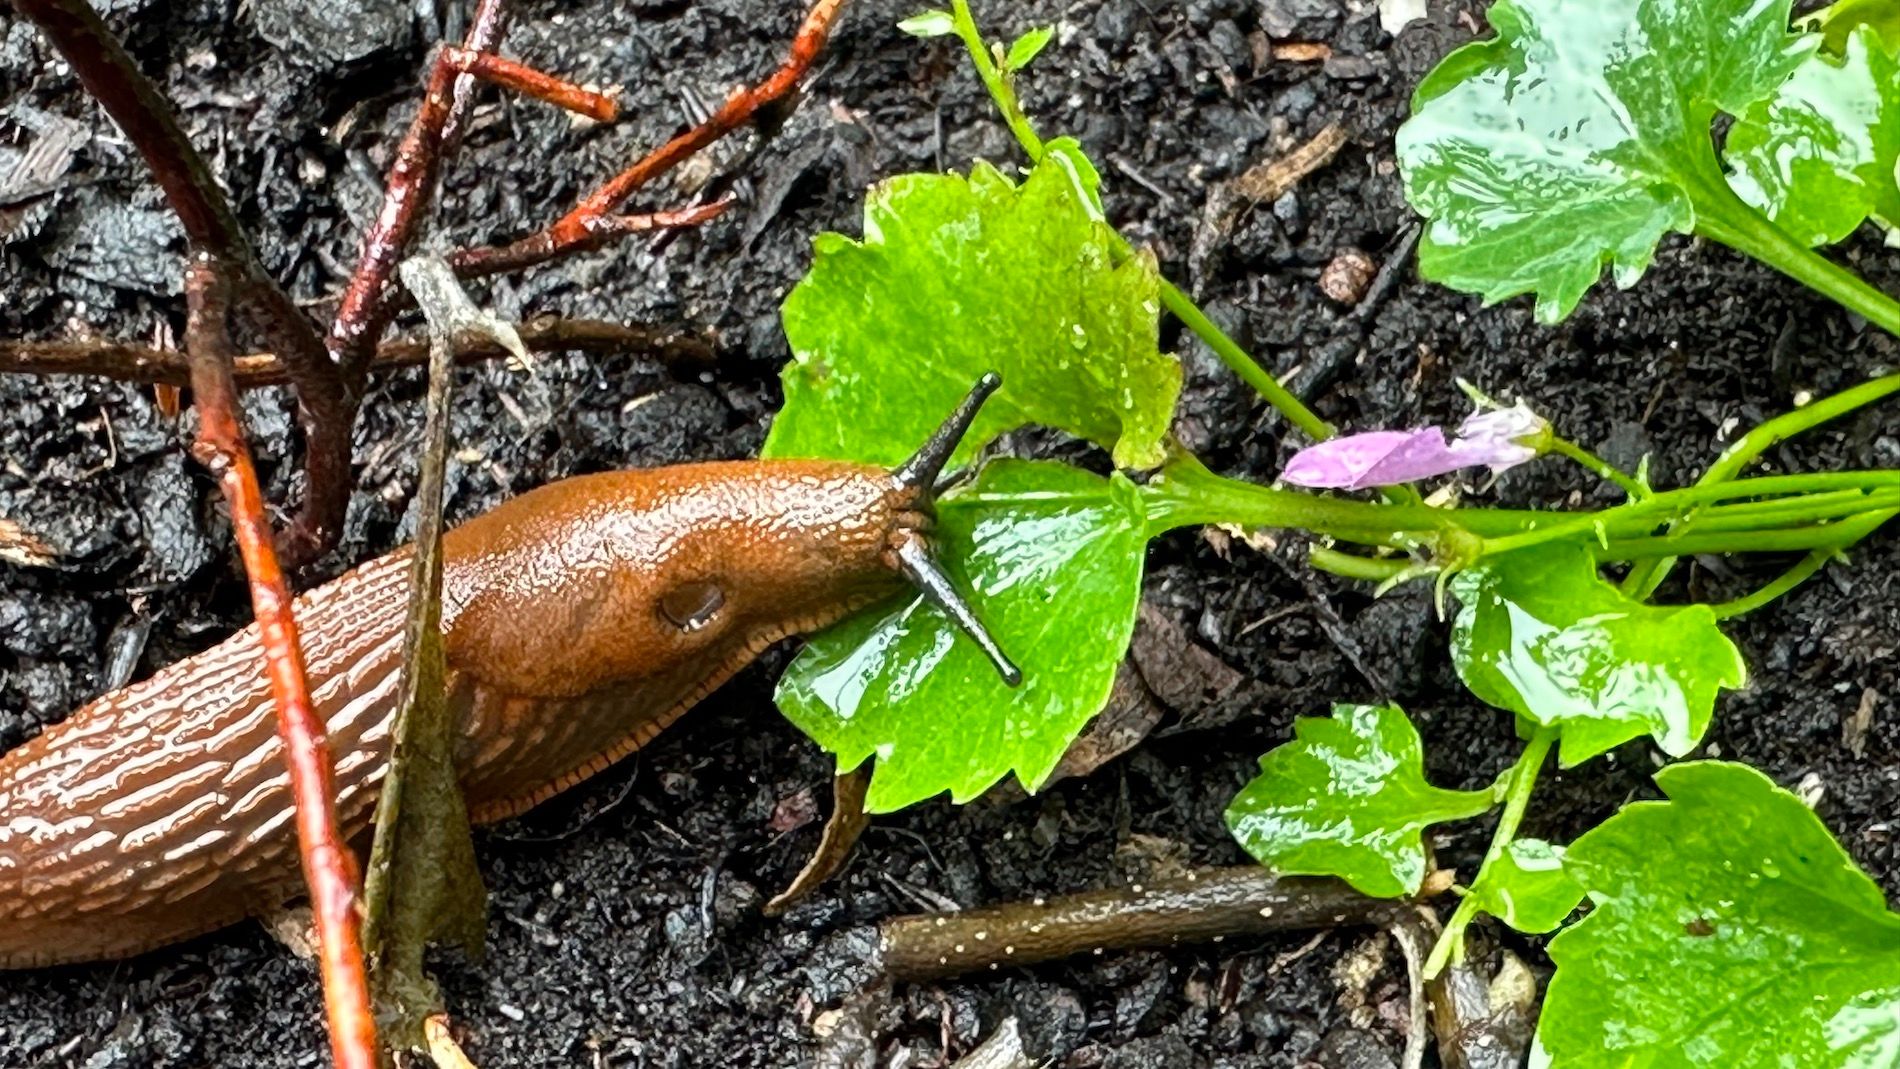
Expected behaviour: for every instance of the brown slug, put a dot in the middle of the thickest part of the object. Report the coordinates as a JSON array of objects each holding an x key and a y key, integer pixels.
[{"x": 579, "y": 620}]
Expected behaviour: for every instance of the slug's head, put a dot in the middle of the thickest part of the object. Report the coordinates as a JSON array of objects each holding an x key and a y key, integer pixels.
[
  {"x": 695, "y": 568},
  {"x": 834, "y": 537}
]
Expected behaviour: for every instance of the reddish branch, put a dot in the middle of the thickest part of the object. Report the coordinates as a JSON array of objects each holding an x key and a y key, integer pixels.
[
  {"x": 366, "y": 308},
  {"x": 527, "y": 81},
  {"x": 588, "y": 225},
  {"x": 147, "y": 119},
  {"x": 328, "y": 865},
  {"x": 674, "y": 346}
]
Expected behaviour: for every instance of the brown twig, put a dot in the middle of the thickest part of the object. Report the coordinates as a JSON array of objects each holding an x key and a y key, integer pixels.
[
  {"x": 146, "y": 117},
  {"x": 673, "y": 346},
  {"x": 365, "y": 311},
  {"x": 329, "y": 867},
  {"x": 527, "y": 81},
  {"x": 1201, "y": 906},
  {"x": 581, "y": 228}
]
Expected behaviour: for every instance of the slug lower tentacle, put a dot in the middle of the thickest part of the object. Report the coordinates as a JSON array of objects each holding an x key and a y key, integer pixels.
[{"x": 579, "y": 620}]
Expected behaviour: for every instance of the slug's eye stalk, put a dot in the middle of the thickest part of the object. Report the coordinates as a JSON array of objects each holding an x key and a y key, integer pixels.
[
  {"x": 921, "y": 470},
  {"x": 919, "y": 475},
  {"x": 916, "y": 564}
]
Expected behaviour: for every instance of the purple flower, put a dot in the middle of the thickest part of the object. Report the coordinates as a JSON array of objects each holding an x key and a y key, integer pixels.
[{"x": 1501, "y": 439}]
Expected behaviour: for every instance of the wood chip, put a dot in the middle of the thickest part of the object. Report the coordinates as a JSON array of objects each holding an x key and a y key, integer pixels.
[
  {"x": 1854, "y": 730},
  {"x": 1302, "y": 51},
  {"x": 23, "y": 549},
  {"x": 1267, "y": 182}
]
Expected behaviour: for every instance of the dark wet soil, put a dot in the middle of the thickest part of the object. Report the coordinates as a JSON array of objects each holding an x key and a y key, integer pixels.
[{"x": 624, "y": 926}]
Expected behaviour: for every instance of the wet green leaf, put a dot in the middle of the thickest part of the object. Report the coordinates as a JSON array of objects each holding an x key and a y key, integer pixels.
[
  {"x": 1540, "y": 634},
  {"x": 1729, "y": 930},
  {"x": 1053, "y": 557},
  {"x": 1579, "y": 136},
  {"x": 1348, "y": 798},
  {"x": 929, "y": 24},
  {"x": 1840, "y": 19},
  {"x": 1527, "y": 888},
  {"x": 1818, "y": 157},
  {"x": 960, "y": 276},
  {"x": 1028, "y": 46}
]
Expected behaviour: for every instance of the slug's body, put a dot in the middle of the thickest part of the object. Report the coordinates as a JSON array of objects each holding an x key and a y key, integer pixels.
[{"x": 578, "y": 620}]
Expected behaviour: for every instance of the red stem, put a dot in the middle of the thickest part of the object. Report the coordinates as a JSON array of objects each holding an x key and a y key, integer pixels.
[
  {"x": 146, "y": 117},
  {"x": 581, "y": 229},
  {"x": 366, "y": 309},
  {"x": 329, "y": 867},
  {"x": 527, "y": 81}
]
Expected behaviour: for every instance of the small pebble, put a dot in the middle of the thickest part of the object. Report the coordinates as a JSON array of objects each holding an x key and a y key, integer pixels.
[{"x": 1345, "y": 279}]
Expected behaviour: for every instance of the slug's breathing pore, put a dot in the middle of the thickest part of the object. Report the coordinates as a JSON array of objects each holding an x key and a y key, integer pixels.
[{"x": 578, "y": 621}]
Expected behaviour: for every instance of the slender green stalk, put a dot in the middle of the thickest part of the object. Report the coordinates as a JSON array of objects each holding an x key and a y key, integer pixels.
[
  {"x": 1353, "y": 566},
  {"x": 1517, "y": 797},
  {"x": 1747, "y": 231},
  {"x": 1770, "y": 433},
  {"x": 1821, "y": 536},
  {"x": 995, "y": 80},
  {"x": 1597, "y": 466},
  {"x": 1187, "y": 494},
  {"x": 1670, "y": 504},
  {"x": 1645, "y": 578},
  {"x": 1790, "y": 511},
  {"x": 1241, "y": 364},
  {"x": 1177, "y": 302},
  {"x": 1726, "y": 219},
  {"x": 1786, "y": 581}
]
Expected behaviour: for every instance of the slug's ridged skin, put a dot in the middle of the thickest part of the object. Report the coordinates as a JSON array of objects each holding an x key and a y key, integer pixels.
[{"x": 163, "y": 810}]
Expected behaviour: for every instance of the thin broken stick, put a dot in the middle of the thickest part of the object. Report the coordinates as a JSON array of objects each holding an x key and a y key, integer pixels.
[
  {"x": 329, "y": 866},
  {"x": 671, "y": 346}
]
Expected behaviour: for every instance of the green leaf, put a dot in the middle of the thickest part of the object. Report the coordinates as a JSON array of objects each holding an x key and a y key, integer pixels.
[
  {"x": 960, "y": 276},
  {"x": 1540, "y": 634},
  {"x": 1527, "y": 887},
  {"x": 1579, "y": 136},
  {"x": 929, "y": 24},
  {"x": 1053, "y": 555},
  {"x": 1818, "y": 157},
  {"x": 1026, "y": 47},
  {"x": 1348, "y": 798},
  {"x": 1730, "y": 930},
  {"x": 1840, "y": 19}
]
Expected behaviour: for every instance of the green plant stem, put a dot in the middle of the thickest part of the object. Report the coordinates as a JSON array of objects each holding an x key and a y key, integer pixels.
[
  {"x": 1660, "y": 507},
  {"x": 1187, "y": 494},
  {"x": 1243, "y": 365},
  {"x": 1789, "y": 511},
  {"x": 1177, "y": 302},
  {"x": 1820, "y": 536},
  {"x": 1770, "y": 433},
  {"x": 1786, "y": 581},
  {"x": 1517, "y": 796},
  {"x": 1645, "y": 578},
  {"x": 1733, "y": 223},
  {"x": 995, "y": 80},
  {"x": 1597, "y": 466},
  {"x": 1353, "y": 566}
]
